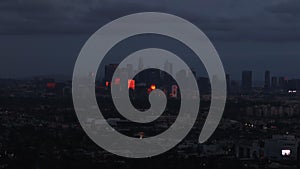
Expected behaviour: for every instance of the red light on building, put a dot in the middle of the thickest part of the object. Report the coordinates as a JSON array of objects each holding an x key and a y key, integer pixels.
[
  {"x": 117, "y": 81},
  {"x": 106, "y": 84},
  {"x": 153, "y": 87},
  {"x": 174, "y": 90},
  {"x": 51, "y": 85},
  {"x": 131, "y": 84}
]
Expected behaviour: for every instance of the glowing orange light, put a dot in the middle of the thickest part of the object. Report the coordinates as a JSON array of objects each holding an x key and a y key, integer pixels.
[
  {"x": 106, "y": 84},
  {"x": 131, "y": 84},
  {"x": 153, "y": 87}
]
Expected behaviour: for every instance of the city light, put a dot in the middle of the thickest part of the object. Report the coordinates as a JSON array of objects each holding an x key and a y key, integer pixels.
[
  {"x": 152, "y": 87},
  {"x": 131, "y": 84},
  {"x": 292, "y": 91},
  {"x": 285, "y": 152},
  {"x": 174, "y": 90}
]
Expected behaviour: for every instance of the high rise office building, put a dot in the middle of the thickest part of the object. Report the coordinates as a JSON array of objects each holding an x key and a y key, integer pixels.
[
  {"x": 109, "y": 72},
  {"x": 168, "y": 67},
  {"x": 282, "y": 83},
  {"x": 167, "y": 75},
  {"x": 141, "y": 64},
  {"x": 267, "y": 80},
  {"x": 228, "y": 84},
  {"x": 247, "y": 80},
  {"x": 274, "y": 83},
  {"x": 129, "y": 68}
]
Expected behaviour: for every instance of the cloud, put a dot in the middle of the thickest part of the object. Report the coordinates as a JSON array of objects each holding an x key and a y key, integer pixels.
[
  {"x": 269, "y": 20},
  {"x": 291, "y": 7},
  {"x": 61, "y": 16}
]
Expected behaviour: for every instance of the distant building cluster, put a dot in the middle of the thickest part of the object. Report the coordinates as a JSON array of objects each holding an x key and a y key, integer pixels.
[
  {"x": 288, "y": 110},
  {"x": 145, "y": 81},
  {"x": 37, "y": 87},
  {"x": 260, "y": 127},
  {"x": 272, "y": 84}
]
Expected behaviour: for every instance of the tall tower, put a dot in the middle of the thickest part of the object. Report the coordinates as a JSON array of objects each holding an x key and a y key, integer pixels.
[
  {"x": 274, "y": 83},
  {"x": 282, "y": 84},
  {"x": 228, "y": 82},
  {"x": 267, "y": 80},
  {"x": 129, "y": 69},
  {"x": 167, "y": 76},
  {"x": 168, "y": 67},
  {"x": 247, "y": 80},
  {"x": 141, "y": 64},
  {"x": 109, "y": 72}
]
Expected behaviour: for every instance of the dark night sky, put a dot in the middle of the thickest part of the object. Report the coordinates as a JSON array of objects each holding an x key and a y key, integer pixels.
[{"x": 44, "y": 37}]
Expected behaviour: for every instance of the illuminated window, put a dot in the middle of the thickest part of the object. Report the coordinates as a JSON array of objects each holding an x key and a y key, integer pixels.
[
  {"x": 285, "y": 152},
  {"x": 131, "y": 84}
]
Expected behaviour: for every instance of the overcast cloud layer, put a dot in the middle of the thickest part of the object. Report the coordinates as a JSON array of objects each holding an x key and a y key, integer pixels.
[
  {"x": 229, "y": 19},
  {"x": 45, "y": 36}
]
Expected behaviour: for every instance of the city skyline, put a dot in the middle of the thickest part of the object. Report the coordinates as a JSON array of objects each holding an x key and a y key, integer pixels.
[{"x": 123, "y": 84}]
